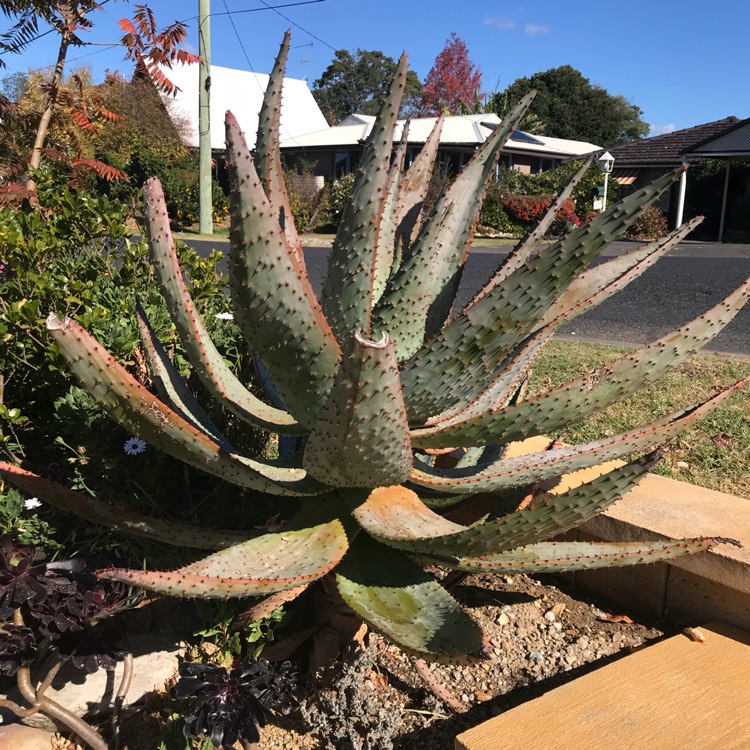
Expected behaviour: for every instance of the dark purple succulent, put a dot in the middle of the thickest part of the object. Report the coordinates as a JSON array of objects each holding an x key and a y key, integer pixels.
[
  {"x": 73, "y": 621},
  {"x": 26, "y": 579},
  {"x": 17, "y": 648},
  {"x": 275, "y": 683},
  {"x": 231, "y": 705}
]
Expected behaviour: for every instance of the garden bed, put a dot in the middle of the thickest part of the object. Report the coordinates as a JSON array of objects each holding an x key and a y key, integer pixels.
[{"x": 541, "y": 635}]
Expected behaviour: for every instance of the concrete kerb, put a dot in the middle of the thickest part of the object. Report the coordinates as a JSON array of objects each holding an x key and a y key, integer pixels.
[
  {"x": 689, "y": 589},
  {"x": 625, "y": 697}
]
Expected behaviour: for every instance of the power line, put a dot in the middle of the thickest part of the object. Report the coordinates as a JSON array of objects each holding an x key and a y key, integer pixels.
[
  {"x": 53, "y": 28},
  {"x": 301, "y": 28},
  {"x": 103, "y": 48},
  {"x": 270, "y": 7},
  {"x": 274, "y": 8},
  {"x": 247, "y": 58},
  {"x": 227, "y": 12}
]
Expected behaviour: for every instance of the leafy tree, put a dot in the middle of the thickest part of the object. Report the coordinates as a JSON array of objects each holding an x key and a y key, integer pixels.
[
  {"x": 568, "y": 105},
  {"x": 149, "y": 48},
  {"x": 356, "y": 83},
  {"x": 79, "y": 115},
  {"x": 144, "y": 44},
  {"x": 146, "y": 126},
  {"x": 67, "y": 18},
  {"x": 454, "y": 82}
]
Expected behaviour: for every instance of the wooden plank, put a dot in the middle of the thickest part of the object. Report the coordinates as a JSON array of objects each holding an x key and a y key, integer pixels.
[{"x": 675, "y": 695}]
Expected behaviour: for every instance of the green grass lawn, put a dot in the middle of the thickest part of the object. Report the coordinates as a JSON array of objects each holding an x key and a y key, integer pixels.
[
  {"x": 716, "y": 449},
  {"x": 222, "y": 232}
]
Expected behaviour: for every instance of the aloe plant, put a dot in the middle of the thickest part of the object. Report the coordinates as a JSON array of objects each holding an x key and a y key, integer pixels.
[{"x": 378, "y": 378}]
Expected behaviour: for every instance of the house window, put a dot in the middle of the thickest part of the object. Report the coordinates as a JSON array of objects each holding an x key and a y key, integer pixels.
[
  {"x": 540, "y": 164},
  {"x": 504, "y": 162},
  {"x": 341, "y": 163},
  {"x": 548, "y": 164}
]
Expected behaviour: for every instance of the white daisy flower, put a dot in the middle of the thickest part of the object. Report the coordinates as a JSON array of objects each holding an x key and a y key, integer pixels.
[
  {"x": 133, "y": 446},
  {"x": 31, "y": 503},
  {"x": 224, "y": 316}
]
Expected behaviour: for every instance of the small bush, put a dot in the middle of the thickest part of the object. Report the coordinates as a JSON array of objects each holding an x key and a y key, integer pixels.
[
  {"x": 650, "y": 226},
  {"x": 339, "y": 192},
  {"x": 178, "y": 174},
  {"x": 74, "y": 257},
  {"x": 310, "y": 205},
  {"x": 494, "y": 215}
]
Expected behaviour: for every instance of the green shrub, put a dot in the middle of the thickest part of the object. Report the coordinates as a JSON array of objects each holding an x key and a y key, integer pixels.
[
  {"x": 179, "y": 176},
  {"x": 339, "y": 192},
  {"x": 310, "y": 206},
  {"x": 552, "y": 181},
  {"x": 494, "y": 214},
  {"x": 74, "y": 257}
]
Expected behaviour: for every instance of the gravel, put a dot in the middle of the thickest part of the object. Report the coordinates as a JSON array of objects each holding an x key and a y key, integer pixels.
[{"x": 539, "y": 637}]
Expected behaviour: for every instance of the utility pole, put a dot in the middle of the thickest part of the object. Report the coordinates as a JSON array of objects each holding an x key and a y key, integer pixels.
[{"x": 204, "y": 117}]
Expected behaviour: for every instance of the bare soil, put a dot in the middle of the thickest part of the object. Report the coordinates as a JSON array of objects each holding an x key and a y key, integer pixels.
[{"x": 540, "y": 637}]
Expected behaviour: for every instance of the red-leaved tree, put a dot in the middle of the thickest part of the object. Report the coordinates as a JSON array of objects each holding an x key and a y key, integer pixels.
[
  {"x": 453, "y": 81},
  {"x": 152, "y": 49}
]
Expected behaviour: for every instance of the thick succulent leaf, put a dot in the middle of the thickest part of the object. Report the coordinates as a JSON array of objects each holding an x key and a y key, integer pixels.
[
  {"x": 393, "y": 595},
  {"x": 556, "y": 557},
  {"x": 134, "y": 407},
  {"x": 274, "y": 303},
  {"x": 384, "y": 253},
  {"x": 310, "y": 547},
  {"x": 452, "y": 368},
  {"x": 266, "y": 607},
  {"x": 497, "y": 393},
  {"x": 586, "y": 292},
  {"x": 91, "y": 509},
  {"x": 406, "y": 523},
  {"x": 349, "y": 285},
  {"x": 361, "y": 438},
  {"x": 615, "y": 274},
  {"x": 590, "y": 393},
  {"x": 205, "y": 358},
  {"x": 395, "y": 514},
  {"x": 172, "y": 388},
  {"x": 529, "y": 245},
  {"x": 414, "y": 186},
  {"x": 442, "y": 247},
  {"x": 511, "y": 472},
  {"x": 481, "y": 456},
  {"x": 438, "y": 497},
  {"x": 268, "y": 152}
]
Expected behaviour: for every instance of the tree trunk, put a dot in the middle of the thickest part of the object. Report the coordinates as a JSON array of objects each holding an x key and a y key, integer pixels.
[{"x": 43, "y": 127}]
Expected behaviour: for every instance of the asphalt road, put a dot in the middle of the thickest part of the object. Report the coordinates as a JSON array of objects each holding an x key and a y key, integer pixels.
[{"x": 678, "y": 288}]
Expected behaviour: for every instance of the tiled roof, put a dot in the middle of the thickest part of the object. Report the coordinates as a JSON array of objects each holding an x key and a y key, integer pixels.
[
  {"x": 668, "y": 149},
  {"x": 735, "y": 140}
]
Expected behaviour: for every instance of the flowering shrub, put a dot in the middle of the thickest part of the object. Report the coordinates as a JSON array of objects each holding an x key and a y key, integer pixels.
[{"x": 528, "y": 209}]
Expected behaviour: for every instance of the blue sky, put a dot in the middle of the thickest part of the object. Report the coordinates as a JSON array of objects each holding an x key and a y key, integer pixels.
[{"x": 683, "y": 63}]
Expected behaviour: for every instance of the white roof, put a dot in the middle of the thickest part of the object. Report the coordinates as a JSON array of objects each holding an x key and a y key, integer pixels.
[
  {"x": 457, "y": 130},
  {"x": 242, "y": 92}
]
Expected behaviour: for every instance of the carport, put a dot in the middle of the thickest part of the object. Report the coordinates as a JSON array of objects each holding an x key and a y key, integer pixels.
[
  {"x": 732, "y": 145},
  {"x": 640, "y": 162}
]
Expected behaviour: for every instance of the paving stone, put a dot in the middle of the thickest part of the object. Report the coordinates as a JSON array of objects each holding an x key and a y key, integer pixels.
[
  {"x": 155, "y": 660},
  {"x": 19, "y": 737}
]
